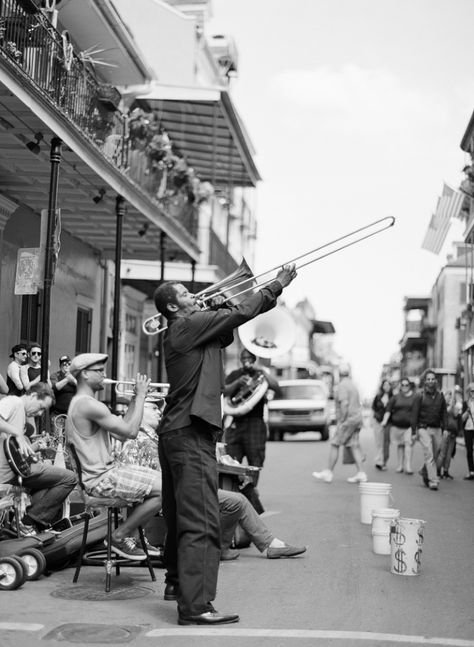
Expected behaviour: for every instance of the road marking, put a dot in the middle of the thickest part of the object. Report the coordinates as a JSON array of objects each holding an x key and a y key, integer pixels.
[
  {"x": 308, "y": 633},
  {"x": 20, "y": 626}
]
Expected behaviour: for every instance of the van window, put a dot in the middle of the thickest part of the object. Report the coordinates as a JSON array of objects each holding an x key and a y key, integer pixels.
[{"x": 302, "y": 392}]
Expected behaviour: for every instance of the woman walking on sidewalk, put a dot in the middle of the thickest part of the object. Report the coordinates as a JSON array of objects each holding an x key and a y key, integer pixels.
[
  {"x": 381, "y": 433},
  {"x": 398, "y": 413},
  {"x": 468, "y": 426}
]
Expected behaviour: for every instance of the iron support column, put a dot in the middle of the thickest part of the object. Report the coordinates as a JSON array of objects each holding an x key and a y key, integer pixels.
[{"x": 55, "y": 159}]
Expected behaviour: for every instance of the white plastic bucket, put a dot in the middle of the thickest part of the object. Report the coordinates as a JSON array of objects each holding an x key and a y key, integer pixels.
[
  {"x": 372, "y": 497},
  {"x": 381, "y": 522},
  {"x": 406, "y": 541}
]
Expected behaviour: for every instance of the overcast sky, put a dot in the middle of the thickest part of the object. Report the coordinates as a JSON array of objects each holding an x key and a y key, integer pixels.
[{"x": 356, "y": 109}]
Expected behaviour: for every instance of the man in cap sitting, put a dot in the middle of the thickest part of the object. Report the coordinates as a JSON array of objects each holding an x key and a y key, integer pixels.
[{"x": 89, "y": 427}]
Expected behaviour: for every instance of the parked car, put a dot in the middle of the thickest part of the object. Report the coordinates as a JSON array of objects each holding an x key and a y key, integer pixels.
[{"x": 302, "y": 405}]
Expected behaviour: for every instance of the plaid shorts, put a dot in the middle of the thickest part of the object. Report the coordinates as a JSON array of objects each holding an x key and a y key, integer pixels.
[
  {"x": 129, "y": 483},
  {"x": 347, "y": 434}
]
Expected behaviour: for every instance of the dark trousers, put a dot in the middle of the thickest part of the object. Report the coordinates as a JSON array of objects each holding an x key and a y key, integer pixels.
[
  {"x": 247, "y": 437},
  {"x": 191, "y": 511},
  {"x": 48, "y": 486},
  {"x": 469, "y": 441}
]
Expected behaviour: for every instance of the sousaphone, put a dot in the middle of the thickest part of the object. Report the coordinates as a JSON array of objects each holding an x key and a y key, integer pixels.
[{"x": 270, "y": 334}]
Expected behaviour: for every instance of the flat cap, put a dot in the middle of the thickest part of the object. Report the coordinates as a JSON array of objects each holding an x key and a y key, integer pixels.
[{"x": 84, "y": 360}]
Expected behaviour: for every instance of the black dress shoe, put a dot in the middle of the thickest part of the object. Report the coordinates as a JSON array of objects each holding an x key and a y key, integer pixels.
[
  {"x": 171, "y": 591},
  {"x": 228, "y": 554},
  {"x": 209, "y": 618},
  {"x": 285, "y": 551}
]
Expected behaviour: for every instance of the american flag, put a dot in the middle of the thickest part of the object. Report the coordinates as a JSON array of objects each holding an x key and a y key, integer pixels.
[{"x": 449, "y": 206}]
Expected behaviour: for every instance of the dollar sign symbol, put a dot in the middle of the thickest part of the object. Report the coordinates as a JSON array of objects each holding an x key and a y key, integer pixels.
[
  {"x": 400, "y": 566},
  {"x": 417, "y": 558}
]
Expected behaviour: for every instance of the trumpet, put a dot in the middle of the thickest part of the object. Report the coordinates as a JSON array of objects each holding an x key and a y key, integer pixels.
[
  {"x": 156, "y": 390},
  {"x": 243, "y": 274}
]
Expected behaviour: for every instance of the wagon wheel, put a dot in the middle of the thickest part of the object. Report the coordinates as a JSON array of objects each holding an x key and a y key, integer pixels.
[
  {"x": 35, "y": 562},
  {"x": 11, "y": 574},
  {"x": 24, "y": 569}
]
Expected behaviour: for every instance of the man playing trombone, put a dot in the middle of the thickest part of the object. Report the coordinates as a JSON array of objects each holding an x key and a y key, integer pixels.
[{"x": 190, "y": 426}]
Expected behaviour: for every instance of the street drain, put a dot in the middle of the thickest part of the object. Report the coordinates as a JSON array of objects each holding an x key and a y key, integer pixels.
[
  {"x": 98, "y": 594},
  {"x": 90, "y": 634}
]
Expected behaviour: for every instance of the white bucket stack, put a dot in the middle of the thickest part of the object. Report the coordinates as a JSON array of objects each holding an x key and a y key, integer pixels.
[
  {"x": 393, "y": 535},
  {"x": 373, "y": 496},
  {"x": 382, "y": 519}
]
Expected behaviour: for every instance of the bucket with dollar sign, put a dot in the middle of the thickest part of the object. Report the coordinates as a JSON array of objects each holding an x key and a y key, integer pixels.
[{"x": 406, "y": 541}]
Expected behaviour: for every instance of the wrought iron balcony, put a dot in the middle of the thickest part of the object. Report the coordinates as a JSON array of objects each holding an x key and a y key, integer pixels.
[{"x": 30, "y": 43}]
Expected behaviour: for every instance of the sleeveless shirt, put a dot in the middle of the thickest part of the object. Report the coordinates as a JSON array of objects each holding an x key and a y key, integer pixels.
[{"x": 93, "y": 449}]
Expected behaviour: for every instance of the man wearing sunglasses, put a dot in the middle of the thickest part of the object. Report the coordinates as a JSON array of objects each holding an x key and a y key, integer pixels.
[
  {"x": 19, "y": 356},
  {"x": 428, "y": 421},
  {"x": 90, "y": 427}
]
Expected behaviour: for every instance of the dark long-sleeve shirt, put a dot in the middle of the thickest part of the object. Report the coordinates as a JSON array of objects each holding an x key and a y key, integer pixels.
[
  {"x": 400, "y": 408},
  {"x": 193, "y": 348},
  {"x": 429, "y": 411}
]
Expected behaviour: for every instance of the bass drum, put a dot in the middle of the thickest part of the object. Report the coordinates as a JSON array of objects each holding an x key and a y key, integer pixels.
[{"x": 246, "y": 398}]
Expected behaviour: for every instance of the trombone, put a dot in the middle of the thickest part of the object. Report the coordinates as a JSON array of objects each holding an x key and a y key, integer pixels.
[
  {"x": 151, "y": 325},
  {"x": 156, "y": 390}
]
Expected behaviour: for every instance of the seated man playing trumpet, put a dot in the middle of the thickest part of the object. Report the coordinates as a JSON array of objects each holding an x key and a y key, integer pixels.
[{"x": 89, "y": 427}]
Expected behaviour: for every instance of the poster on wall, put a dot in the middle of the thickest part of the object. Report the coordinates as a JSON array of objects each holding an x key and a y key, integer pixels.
[{"x": 28, "y": 271}]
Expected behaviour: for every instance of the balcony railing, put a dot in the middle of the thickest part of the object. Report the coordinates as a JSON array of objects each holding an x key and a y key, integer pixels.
[
  {"x": 31, "y": 43},
  {"x": 135, "y": 144}
]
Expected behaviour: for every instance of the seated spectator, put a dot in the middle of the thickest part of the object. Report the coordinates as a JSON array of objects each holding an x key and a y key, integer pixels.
[
  {"x": 89, "y": 427},
  {"x": 48, "y": 486},
  {"x": 19, "y": 356},
  {"x": 64, "y": 386}
]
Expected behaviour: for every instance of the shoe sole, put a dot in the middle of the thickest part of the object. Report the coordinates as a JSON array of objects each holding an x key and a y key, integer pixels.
[
  {"x": 170, "y": 598},
  {"x": 209, "y": 624},
  {"x": 300, "y": 552}
]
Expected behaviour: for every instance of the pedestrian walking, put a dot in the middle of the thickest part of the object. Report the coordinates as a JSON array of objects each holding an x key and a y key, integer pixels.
[
  {"x": 468, "y": 428},
  {"x": 448, "y": 441},
  {"x": 429, "y": 420},
  {"x": 381, "y": 432},
  {"x": 397, "y": 420},
  {"x": 349, "y": 423}
]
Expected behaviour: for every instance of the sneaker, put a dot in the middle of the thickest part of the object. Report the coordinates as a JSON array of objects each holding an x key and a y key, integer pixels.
[
  {"x": 153, "y": 551},
  {"x": 433, "y": 486},
  {"x": 127, "y": 547},
  {"x": 26, "y": 530},
  {"x": 325, "y": 475},
  {"x": 469, "y": 477},
  {"x": 399, "y": 470},
  {"x": 360, "y": 477},
  {"x": 449, "y": 476}
]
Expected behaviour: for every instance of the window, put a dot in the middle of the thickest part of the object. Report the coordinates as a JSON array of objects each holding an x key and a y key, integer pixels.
[
  {"x": 30, "y": 324},
  {"x": 83, "y": 330}
]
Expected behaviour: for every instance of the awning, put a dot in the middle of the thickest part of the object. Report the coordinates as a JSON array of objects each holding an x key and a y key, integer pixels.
[{"x": 206, "y": 127}]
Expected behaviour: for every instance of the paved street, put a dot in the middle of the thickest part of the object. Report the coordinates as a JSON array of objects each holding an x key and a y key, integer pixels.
[{"x": 339, "y": 594}]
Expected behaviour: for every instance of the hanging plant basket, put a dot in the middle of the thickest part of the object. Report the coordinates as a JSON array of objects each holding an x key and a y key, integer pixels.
[
  {"x": 29, "y": 6},
  {"x": 109, "y": 96}
]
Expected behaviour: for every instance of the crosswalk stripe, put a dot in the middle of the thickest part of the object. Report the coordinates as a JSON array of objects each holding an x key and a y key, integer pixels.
[{"x": 307, "y": 633}]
